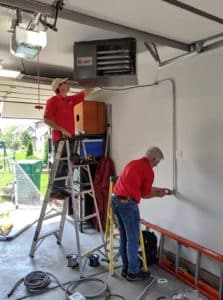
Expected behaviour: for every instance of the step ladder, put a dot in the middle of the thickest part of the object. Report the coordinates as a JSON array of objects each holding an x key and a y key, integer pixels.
[
  {"x": 77, "y": 196},
  {"x": 111, "y": 233}
]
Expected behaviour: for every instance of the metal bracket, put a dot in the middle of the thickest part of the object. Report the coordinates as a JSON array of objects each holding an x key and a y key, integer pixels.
[{"x": 151, "y": 47}]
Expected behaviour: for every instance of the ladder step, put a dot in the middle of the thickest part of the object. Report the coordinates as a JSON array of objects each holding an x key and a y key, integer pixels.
[
  {"x": 81, "y": 184},
  {"x": 52, "y": 215},
  {"x": 53, "y": 232},
  {"x": 88, "y": 217},
  {"x": 92, "y": 250},
  {"x": 60, "y": 178},
  {"x": 86, "y": 191},
  {"x": 63, "y": 158}
]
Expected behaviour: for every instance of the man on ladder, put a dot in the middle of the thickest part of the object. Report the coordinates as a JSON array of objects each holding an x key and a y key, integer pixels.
[
  {"x": 76, "y": 198},
  {"x": 135, "y": 182},
  {"x": 59, "y": 115}
]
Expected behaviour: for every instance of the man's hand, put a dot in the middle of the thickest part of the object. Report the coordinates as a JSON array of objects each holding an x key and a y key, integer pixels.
[
  {"x": 161, "y": 192},
  {"x": 54, "y": 125},
  {"x": 87, "y": 91},
  {"x": 158, "y": 192},
  {"x": 65, "y": 133}
]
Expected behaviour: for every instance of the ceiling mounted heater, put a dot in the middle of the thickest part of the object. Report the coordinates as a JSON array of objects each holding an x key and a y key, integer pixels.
[{"x": 105, "y": 62}]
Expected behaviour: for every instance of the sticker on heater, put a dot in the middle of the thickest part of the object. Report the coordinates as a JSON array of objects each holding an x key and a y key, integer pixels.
[{"x": 84, "y": 61}]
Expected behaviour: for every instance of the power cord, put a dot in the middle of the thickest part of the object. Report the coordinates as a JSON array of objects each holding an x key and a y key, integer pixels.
[
  {"x": 36, "y": 282},
  {"x": 72, "y": 286}
]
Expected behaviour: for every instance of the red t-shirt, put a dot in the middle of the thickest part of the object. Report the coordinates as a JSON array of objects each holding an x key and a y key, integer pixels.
[
  {"x": 60, "y": 110},
  {"x": 135, "y": 180}
]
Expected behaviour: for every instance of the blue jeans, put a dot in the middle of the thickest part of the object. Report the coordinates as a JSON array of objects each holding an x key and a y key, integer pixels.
[
  {"x": 127, "y": 215},
  {"x": 62, "y": 169}
]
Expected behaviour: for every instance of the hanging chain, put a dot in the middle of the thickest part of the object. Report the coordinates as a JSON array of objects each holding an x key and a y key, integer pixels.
[
  {"x": 38, "y": 106},
  {"x": 38, "y": 76}
]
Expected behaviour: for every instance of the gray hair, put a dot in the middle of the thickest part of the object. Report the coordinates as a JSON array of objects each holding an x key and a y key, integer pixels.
[{"x": 154, "y": 153}]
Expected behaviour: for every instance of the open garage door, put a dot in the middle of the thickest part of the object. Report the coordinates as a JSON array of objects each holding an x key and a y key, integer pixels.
[{"x": 26, "y": 98}]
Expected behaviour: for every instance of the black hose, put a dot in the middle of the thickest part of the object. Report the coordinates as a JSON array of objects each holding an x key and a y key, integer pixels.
[{"x": 36, "y": 282}]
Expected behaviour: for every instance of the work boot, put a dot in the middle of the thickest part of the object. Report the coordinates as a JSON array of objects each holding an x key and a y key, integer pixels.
[
  {"x": 124, "y": 273},
  {"x": 138, "y": 276}
]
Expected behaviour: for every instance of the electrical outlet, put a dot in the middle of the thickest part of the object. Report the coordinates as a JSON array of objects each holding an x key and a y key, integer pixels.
[{"x": 179, "y": 154}]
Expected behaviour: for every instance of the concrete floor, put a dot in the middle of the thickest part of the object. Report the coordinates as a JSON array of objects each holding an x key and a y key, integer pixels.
[{"x": 16, "y": 263}]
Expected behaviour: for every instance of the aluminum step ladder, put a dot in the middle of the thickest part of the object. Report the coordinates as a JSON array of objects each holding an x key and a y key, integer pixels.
[
  {"x": 111, "y": 233},
  {"x": 76, "y": 196}
]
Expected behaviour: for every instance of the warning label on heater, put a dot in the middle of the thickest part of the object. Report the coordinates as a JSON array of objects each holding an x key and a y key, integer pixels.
[{"x": 84, "y": 61}]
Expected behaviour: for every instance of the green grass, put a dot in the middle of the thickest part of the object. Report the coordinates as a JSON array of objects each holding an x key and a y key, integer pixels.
[
  {"x": 22, "y": 155},
  {"x": 43, "y": 183},
  {"x": 5, "y": 178}
]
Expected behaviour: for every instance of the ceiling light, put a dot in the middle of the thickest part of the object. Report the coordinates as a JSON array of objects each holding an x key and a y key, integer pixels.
[
  {"x": 9, "y": 73},
  {"x": 26, "y": 43}
]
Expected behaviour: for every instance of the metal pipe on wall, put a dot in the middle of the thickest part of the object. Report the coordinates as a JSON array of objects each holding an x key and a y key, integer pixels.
[
  {"x": 174, "y": 141},
  {"x": 174, "y": 132}
]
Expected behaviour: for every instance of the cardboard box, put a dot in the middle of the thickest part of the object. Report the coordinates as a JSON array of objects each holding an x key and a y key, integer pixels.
[{"x": 90, "y": 117}]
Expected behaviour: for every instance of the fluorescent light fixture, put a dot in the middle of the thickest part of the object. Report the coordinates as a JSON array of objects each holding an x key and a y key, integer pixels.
[
  {"x": 9, "y": 73},
  {"x": 26, "y": 43}
]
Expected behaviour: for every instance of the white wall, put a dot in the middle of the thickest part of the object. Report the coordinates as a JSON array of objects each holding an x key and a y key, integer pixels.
[{"x": 142, "y": 117}]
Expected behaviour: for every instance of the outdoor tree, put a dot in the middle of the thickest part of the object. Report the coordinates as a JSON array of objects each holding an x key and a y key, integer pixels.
[
  {"x": 14, "y": 145},
  {"x": 29, "y": 149},
  {"x": 25, "y": 138},
  {"x": 11, "y": 138}
]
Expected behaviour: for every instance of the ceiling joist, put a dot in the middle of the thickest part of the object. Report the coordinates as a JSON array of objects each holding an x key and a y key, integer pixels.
[
  {"x": 195, "y": 10},
  {"x": 34, "y": 6},
  {"x": 150, "y": 40}
]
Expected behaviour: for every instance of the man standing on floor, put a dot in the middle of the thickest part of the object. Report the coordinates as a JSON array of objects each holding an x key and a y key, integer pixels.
[
  {"x": 59, "y": 115},
  {"x": 135, "y": 182}
]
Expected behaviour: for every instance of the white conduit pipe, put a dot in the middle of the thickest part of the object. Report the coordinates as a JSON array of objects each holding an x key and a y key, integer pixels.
[
  {"x": 140, "y": 297},
  {"x": 174, "y": 139}
]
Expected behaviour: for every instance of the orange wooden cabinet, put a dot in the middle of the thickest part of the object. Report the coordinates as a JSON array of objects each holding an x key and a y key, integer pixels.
[{"x": 90, "y": 117}]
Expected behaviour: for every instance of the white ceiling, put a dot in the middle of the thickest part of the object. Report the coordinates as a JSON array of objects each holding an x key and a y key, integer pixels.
[
  {"x": 155, "y": 16},
  {"x": 152, "y": 16}
]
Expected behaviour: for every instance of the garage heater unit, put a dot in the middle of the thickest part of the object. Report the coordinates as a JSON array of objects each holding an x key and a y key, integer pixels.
[{"x": 105, "y": 62}]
